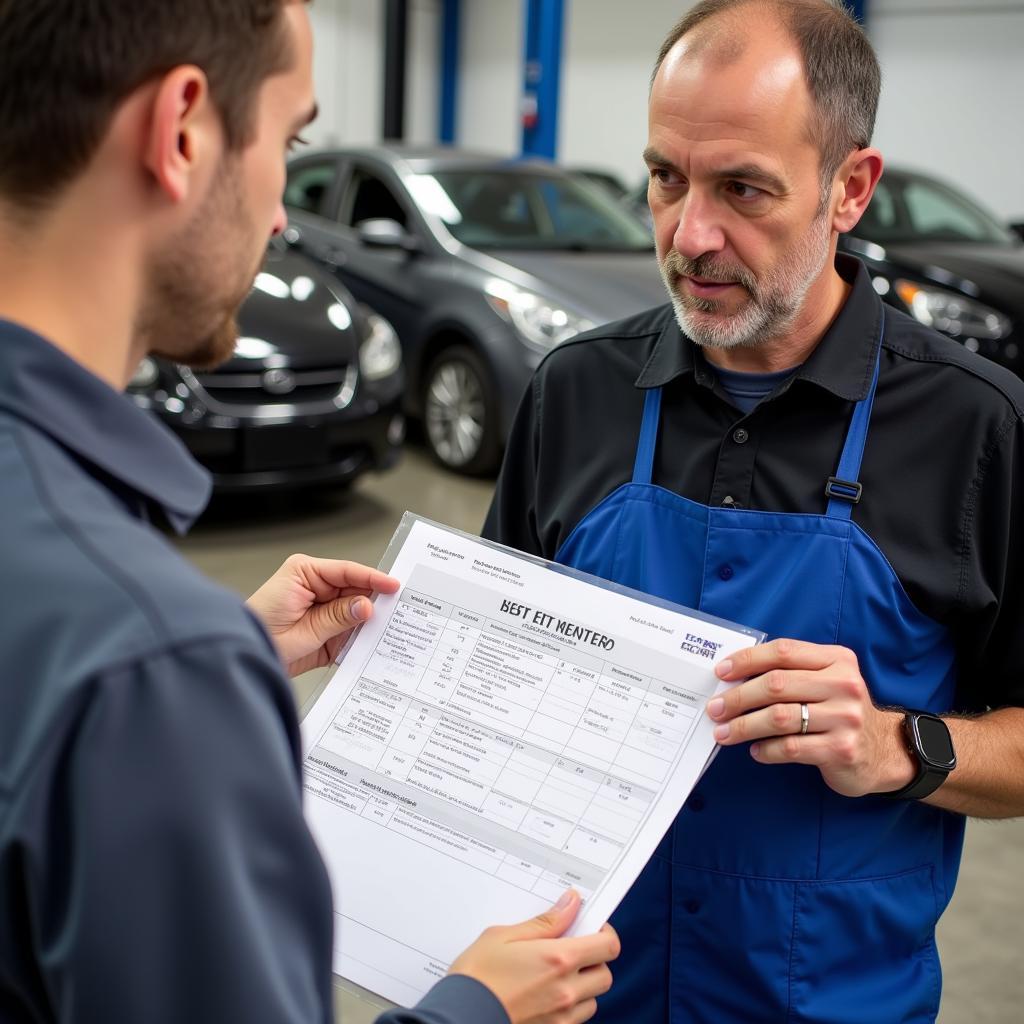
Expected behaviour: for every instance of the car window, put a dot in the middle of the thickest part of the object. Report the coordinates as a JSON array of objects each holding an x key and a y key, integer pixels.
[
  {"x": 308, "y": 186},
  {"x": 881, "y": 215},
  {"x": 936, "y": 214},
  {"x": 911, "y": 208},
  {"x": 368, "y": 197},
  {"x": 499, "y": 207}
]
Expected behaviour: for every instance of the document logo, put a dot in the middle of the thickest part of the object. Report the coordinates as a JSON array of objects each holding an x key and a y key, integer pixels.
[{"x": 701, "y": 646}]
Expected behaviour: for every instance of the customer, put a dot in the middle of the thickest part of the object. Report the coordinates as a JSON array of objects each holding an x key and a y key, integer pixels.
[{"x": 154, "y": 862}]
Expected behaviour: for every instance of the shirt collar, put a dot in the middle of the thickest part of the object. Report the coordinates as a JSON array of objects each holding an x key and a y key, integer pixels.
[
  {"x": 843, "y": 362},
  {"x": 42, "y": 386}
]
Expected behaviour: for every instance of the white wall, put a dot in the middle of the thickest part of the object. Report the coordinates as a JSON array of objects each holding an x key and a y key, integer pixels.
[
  {"x": 423, "y": 72},
  {"x": 348, "y": 70},
  {"x": 953, "y": 79},
  {"x": 610, "y": 48},
  {"x": 951, "y": 100},
  {"x": 491, "y": 49},
  {"x": 953, "y": 93}
]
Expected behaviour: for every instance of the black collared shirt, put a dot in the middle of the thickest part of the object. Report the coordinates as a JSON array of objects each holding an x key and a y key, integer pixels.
[
  {"x": 154, "y": 861},
  {"x": 943, "y": 470}
]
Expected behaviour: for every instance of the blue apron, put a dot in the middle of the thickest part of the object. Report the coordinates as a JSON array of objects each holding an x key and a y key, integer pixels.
[{"x": 772, "y": 898}]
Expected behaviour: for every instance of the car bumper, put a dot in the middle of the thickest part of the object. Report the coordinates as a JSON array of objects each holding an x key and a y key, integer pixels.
[{"x": 306, "y": 453}]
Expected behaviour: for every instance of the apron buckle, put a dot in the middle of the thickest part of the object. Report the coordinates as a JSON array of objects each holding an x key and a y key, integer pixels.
[{"x": 848, "y": 490}]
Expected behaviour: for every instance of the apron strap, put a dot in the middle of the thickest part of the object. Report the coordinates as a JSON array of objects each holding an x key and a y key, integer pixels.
[
  {"x": 843, "y": 490},
  {"x": 643, "y": 468}
]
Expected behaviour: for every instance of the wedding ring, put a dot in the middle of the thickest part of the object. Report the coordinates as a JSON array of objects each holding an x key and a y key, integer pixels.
[{"x": 805, "y": 717}]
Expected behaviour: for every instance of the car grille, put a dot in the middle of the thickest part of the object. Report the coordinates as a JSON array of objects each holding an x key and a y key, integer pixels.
[{"x": 270, "y": 392}]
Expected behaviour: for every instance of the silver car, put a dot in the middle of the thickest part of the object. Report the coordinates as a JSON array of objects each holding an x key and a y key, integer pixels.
[{"x": 481, "y": 264}]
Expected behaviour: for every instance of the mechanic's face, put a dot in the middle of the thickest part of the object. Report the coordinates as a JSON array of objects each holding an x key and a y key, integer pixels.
[
  {"x": 734, "y": 185},
  {"x": 201, "y": 280}
]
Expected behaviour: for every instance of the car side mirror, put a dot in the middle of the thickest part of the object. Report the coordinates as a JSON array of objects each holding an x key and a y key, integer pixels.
[
  {"x": 1017, "y": 227},
  {"x": 384, "y": 233}
]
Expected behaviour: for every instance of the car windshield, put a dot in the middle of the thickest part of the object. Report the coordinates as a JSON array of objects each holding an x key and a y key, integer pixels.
[
  {"x": 911, "y": 208},
  {"x": 516, "y": 209}
]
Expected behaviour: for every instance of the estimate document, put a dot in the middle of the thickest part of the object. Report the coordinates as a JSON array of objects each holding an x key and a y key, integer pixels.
[{"x": 499, "y": 731}]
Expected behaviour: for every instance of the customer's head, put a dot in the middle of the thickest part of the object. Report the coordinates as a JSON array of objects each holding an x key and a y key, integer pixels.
[
  {"x": 761, "y": 113},
  {"x": 188, "y": 106}
]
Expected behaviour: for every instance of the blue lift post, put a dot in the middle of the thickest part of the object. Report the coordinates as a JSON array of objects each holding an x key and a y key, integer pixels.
[
  {"x": 542, "y": 73},
  {"x": 447, "y": 126}
]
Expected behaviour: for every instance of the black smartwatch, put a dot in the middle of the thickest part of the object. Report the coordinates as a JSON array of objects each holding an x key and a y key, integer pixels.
[{"x": 931, "y": 746}]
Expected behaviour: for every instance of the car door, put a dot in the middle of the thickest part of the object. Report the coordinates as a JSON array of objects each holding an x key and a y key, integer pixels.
[{"x": 387, "y": 279}]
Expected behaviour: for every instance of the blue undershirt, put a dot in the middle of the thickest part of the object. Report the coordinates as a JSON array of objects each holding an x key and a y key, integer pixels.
[{"x": 745, "y": 390}]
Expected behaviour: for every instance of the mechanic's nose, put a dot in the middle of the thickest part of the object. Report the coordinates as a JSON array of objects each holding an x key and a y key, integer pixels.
[{"x": 698, "y": 230}]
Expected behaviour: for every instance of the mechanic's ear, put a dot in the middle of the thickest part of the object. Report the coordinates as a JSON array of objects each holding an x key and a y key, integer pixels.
[
  {"x": 858, "y": 177},
  {"x": 180, "y": 129}
]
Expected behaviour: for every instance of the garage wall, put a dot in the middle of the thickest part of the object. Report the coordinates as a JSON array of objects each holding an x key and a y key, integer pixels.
[
  {"x": 348, "y": 70},
  {"x": 951, "y": 96},
  {"x": 954, "y": 72},
  {"x": 491, "y": 49},
  {"x": 610, "y": 48}
]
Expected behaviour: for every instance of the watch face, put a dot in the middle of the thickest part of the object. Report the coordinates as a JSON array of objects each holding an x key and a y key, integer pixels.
[{"x": 936, "y": 745}]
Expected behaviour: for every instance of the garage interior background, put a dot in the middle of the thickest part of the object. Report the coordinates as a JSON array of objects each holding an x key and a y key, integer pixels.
[
  {"x": 953, "y": 74},
  {"x": 953, "y": 78}
]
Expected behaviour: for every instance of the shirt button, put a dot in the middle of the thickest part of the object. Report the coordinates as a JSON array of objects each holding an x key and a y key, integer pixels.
[
  {"x": 692, "y": 906},
  {"x": 696, "y": 802},
  {"x": 740, "y": 436},
  {"x": 725, "y": 572},
  {"x": 729, "y": 501}
]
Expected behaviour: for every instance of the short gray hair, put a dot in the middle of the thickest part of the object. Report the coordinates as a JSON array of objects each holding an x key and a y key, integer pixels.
[{"x": 840, "y": 67}]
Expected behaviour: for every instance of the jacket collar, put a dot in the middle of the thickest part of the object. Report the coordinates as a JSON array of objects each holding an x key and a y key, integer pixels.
[{"x": 46, "y": 388}]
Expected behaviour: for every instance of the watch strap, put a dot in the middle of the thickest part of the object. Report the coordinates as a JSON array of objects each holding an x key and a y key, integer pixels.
[{"x": 929, "y": 777}]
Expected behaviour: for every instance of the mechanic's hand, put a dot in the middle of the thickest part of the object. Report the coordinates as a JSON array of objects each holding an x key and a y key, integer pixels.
[
  {"x": 310, "y": 605},
  {"x": 538, "y": 977},
  {"x": 857, "y": 747}
]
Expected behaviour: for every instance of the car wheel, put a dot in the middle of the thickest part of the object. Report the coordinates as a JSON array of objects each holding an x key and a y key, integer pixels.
[{"x": 460, "y": 412}]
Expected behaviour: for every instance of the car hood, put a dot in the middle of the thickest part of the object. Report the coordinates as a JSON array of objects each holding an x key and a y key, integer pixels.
[
  {"x": 296, "y": 317},
  {"x": 601, "y": 286},
  {"x": 993, "y": 273}
]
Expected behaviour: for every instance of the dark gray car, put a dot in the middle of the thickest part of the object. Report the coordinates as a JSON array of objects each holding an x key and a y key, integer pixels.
[{"x": 481, "y": 264}]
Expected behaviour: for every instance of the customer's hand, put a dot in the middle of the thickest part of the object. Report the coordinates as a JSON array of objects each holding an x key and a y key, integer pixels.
[
  {"x": 310, "y": 605},
  {"x": 538, "y": 977}
]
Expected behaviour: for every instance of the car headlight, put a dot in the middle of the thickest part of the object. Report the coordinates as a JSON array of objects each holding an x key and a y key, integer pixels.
[
  {"x": 380, "y": 355},
  {"x": 953, "y": 314},
  {"x": 539, "y": 320},
  {"x": 145, "y": 375}
]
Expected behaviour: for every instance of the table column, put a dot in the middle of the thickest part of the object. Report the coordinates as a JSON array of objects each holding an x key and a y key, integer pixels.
[
  {"x": 503, "y": 682},
  {"x": 617, "y": 809},
  {"x": 661, "y": 727},
  {"x": 568, "y": 789},
  {"x": 407, "y": 645},
  {"x": 563, "y": 704},
  {"x": 409, "y": 739},
  {"x": 379, "y": 809},
  {"x": 365, "y": 724},
  {"x": 609, "y": 715},
  {"x": 450, "y": 656}
]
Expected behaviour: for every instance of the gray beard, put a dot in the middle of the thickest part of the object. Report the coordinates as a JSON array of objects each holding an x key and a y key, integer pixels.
[{"x": 774, "y": 304}]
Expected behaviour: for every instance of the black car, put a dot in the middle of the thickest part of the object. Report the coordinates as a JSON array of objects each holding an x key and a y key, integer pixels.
[
  {"x": 482, "y": 264},
  {"x": 939, "y": 256},
  {"x": 311, "y": 395}
]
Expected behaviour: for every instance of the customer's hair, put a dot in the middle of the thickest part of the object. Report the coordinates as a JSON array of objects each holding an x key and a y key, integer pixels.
[
  {"x": 840, "y": 67},
  {"x": 66, "y": 65}
]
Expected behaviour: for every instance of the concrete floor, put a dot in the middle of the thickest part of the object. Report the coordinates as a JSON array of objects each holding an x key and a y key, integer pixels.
[{"x": 241, "y": 542}]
